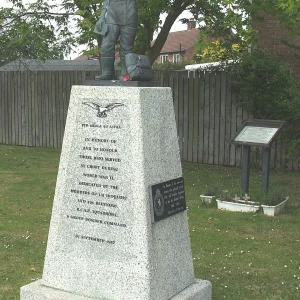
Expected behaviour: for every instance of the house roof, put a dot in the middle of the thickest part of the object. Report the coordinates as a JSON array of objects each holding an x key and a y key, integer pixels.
[
  {"x": 180, "y": 40},
  {"x": 86, "y": 57},
  {"x": 52, "y": 65}
]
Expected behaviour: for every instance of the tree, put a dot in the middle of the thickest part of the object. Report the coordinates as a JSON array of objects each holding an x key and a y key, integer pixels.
[
  {"x": 227, "y": 25},
  {"x": 226, "y": 19},
  {"x": 24, "y": 36},
  {"x": 265, "y": 87},
  {"x": 86, "y": 12},
  {"x": 229, "y": 20}
]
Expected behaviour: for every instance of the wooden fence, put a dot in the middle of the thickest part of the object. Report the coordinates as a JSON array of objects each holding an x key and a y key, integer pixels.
[{"x": 33, "y": 110}]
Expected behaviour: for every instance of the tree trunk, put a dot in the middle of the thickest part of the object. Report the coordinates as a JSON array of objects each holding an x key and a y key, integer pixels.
[{"x": 153, "y": 52}]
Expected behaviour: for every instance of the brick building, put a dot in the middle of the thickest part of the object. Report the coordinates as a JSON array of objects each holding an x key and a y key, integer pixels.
[
  {"x": 271, "y": 36},
  {"x": 180, "y": 45}
]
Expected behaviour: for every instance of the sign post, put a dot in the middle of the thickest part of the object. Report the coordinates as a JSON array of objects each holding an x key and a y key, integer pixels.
[
  {"x": 245, "y": 168},
  {"x": 265, "y": 172},
  {"x": 257, "y": 133}
]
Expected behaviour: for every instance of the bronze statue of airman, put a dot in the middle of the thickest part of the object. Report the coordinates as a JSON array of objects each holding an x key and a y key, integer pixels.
[{"x": 118, "y": 19}]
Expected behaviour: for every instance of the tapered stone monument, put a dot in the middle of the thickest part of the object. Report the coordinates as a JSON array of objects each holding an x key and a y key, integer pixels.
[{"x": 119, "y": 226}]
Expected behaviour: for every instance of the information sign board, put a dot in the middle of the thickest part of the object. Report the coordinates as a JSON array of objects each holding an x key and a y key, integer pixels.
[{"x": 258, "y": 132}]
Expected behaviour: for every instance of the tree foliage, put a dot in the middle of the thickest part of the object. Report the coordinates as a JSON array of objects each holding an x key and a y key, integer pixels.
[
  {"x": 23, "y": 35},
  {"x": 214, "y": 51},
  {"x": 266, "y": 87},
  {"x": 45, "y": 23},
  {"x": 84, "y": 14},
  {"x": 286, "y": 11},
  {"x": 229, "y": 23}
]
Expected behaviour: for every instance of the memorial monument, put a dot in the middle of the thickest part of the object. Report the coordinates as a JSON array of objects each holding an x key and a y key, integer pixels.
[{"x": 119, "y": 226}]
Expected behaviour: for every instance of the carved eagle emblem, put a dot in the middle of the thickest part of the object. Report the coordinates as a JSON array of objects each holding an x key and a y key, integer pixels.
[{"x": 102, "y": 110}]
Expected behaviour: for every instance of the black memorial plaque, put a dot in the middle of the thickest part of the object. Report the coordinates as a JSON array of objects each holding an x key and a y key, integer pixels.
[{"x": 168, "y": 198}]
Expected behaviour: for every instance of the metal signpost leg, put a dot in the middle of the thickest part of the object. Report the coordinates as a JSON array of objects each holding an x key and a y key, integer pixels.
[
  {"x": 245, "y": 169},
  {"x": 266, "y": 156}
]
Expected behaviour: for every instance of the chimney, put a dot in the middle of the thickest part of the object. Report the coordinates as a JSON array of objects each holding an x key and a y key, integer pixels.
[{"x": 191, "y": 24}]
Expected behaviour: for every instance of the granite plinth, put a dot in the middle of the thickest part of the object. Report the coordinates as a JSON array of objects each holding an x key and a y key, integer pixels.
[
  {"x": 199, "y": 290},
  {"x": 122, "y": 83},
  {"x": 103, "y": 243}
]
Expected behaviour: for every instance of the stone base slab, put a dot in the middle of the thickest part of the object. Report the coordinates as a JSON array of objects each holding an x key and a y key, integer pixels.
[{"x": 200, "y": 290}]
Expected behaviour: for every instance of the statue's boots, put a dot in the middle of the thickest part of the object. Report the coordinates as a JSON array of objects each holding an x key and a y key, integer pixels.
[
  {"x": 107, "y": 65},
  {"x": 123, "y": 68}
]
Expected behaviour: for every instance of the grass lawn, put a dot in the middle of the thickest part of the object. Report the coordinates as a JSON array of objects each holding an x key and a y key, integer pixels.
[{"x": 244, "y": 255}]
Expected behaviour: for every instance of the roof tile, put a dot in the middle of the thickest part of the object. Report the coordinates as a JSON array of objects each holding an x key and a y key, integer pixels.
[{"x": 180, "y": 40}]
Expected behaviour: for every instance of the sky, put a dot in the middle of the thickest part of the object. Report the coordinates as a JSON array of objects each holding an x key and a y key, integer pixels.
[{"x": 178, "y": 26}]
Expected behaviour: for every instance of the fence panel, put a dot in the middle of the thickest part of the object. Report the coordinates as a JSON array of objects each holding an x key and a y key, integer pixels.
[
  {"x": 196, "y": 102},
  {"x": 222, "y": 119},
  {"x": 34, "y": 105},
  {"x": 217, "y": 106}
]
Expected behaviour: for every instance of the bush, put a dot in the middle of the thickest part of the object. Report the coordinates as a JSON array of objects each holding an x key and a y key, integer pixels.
[
  {"x": 218, "y": 51},
  {"x": 265, "y": 86},
  {"x": 169, "y": 66}
]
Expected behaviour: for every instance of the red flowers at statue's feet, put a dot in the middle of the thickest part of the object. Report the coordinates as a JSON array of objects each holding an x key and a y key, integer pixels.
[{"x": 126, "y": 77}]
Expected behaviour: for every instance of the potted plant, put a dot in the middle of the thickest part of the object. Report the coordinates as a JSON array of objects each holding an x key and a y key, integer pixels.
[
  {"x": 274, "y": 202},
  {"x": 236, "y": 203},
  {"x": 209, "y": 194}
]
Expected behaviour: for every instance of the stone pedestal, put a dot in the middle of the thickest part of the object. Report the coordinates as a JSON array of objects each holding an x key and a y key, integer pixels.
[{"x": 103, "y": 242}]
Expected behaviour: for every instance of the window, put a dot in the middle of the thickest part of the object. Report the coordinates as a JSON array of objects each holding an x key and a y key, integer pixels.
[
  {"x": 176, "y": 58},
  {"x": 164, "y": 58}
]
